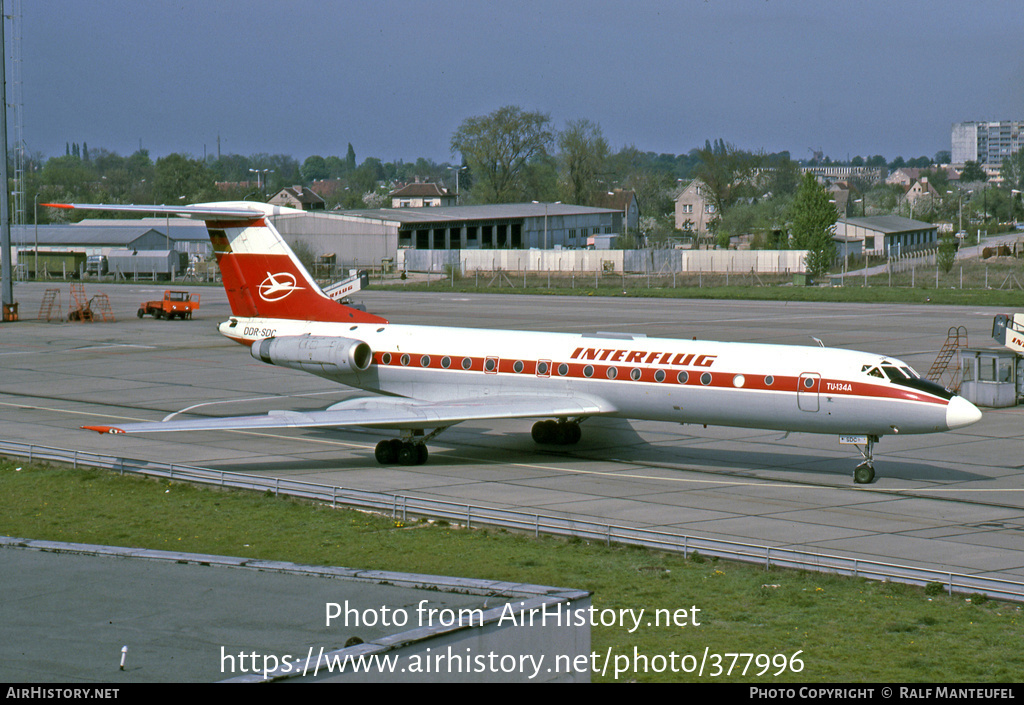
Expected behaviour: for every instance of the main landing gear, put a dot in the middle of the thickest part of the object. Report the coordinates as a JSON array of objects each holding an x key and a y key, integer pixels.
[
  {"x": 865, "y": 472},
  {"x": 410, "y": 449},
  {"x": 560, "y": 433},
  {"x": 394, "y": 451}
]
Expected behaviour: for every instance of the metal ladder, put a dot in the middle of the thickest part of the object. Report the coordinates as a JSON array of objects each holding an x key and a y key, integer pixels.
[
  {"x": 51, "y": 300},
  {"x": 103, "y": 306},
  {"x": 956, "y": 338}
]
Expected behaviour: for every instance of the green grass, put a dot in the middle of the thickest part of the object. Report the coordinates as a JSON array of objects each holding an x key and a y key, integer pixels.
[{"x": 846, "y": 629}]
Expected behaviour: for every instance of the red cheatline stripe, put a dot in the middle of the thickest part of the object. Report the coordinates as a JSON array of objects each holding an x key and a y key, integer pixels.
[{"x": 719, "y": 379}]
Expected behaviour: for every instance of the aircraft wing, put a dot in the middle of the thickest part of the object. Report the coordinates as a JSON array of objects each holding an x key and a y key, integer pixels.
[{"x": 386, "y": 412}]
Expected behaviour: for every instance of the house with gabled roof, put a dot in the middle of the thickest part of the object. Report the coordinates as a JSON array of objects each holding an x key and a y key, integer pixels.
[
  {"x": 299, "y": 197},
  {"x": 421, "y": 195},
  {"x": 695, "y": 209}
]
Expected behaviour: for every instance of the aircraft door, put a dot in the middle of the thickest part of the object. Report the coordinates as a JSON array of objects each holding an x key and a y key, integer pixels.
[{"x": 808, "y": 387}]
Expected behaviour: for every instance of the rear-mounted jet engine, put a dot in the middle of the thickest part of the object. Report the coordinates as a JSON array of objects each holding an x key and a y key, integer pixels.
[{"x": 323, "y": 356}]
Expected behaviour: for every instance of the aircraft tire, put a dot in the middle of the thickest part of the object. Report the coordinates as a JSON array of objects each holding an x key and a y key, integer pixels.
[
  {"x": 555, "y": 433},
  {"x": 864, "y": 474},
  {"x": 543, "y": 432},
  {"x": 386, "y": 453},
  {"x": 421, "y": 453},
  {"x": 408, "y": 454}
]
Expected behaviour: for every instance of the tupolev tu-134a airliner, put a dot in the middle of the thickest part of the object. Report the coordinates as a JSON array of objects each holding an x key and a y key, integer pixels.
[{"x": 422, "y": 380}]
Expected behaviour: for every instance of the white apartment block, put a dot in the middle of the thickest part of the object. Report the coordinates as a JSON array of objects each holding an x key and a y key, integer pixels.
[{"x": 987, "y": 143}]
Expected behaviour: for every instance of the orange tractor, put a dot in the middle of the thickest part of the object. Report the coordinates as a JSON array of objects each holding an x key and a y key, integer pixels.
[{"x": 175, "y": 304}]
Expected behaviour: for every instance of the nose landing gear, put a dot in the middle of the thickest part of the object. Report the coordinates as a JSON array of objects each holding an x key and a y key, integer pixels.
[{"x": 864, "y": 473}]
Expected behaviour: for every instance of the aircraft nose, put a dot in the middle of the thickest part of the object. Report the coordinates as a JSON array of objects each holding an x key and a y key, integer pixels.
[{"x": 960, "y": 413}]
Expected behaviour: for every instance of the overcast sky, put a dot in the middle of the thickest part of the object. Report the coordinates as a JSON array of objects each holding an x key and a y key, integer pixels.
[{"x": 396, "y": 77}]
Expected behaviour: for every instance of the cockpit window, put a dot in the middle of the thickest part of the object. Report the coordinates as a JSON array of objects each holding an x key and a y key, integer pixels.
[
  {"x": 894, "y": 374},
  {"x": 906, "y": 377},
  {"x": 874, "y": 372}
]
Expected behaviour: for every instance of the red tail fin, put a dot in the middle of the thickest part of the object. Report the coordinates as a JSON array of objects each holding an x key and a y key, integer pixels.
[{"x": 263, "y": 277}]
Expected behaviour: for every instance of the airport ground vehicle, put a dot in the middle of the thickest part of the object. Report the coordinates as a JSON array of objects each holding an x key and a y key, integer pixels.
[{"x": 175, "y": 304}]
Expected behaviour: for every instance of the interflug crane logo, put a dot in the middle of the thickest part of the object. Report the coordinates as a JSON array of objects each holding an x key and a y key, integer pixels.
[{"x": 278, "y": 286}]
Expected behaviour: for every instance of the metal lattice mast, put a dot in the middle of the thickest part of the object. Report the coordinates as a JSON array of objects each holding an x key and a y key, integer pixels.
[{"x": 16, "y": 105}]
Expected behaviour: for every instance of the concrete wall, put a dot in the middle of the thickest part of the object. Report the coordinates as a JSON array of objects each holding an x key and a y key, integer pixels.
[{"x": 620, "y": 261}]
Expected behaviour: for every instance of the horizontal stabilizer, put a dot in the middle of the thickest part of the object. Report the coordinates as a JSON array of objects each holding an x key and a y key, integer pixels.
[{"x": 229, "y": 210}]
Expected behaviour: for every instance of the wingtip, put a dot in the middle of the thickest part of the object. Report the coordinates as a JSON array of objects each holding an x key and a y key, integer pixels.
[{"x": 103, "y": 429}]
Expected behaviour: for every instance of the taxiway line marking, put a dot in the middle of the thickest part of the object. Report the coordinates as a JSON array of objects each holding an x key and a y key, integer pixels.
[{"x": 574, "y": 471}]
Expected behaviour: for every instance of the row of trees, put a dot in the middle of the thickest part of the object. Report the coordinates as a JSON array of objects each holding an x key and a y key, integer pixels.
[{"x": 509, "y": 155}]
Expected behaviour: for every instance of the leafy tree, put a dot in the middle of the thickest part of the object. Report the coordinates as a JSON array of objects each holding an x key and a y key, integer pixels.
[
  {"x": 350, "y": 159},
  {"x": 655, "y": 191},
  {"x": 231, "y": 167},
  {"x": 283, "y": 170},
  {"x": 69, "y": 173},
  {"x": 582, "y": 153},
  {"x": 938, "y": 178},
  {"x": 362, "y": 183},
  {"x": 314, "y": 169},
  {"x": 947, "y": 252},
  {"x": 335, "y": 167},
  {"x": 726, "y": 173},
  {"x": 762, "y": 216},
  {"x": 813, "y": 219},
  {"x": 1012, "y": 170},
  {"x": 500, "y": 148},
  {"x": 180, "y": 179},
  {"x": 972, "y": 172},
  {"x": 784, "y": 178},
  {"x": 943, "y": 157}
]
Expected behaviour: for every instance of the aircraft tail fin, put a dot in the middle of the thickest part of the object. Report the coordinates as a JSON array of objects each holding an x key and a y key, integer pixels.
[{"x": 262, "y": 276}]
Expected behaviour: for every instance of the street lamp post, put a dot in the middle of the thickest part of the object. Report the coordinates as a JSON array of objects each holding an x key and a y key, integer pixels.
[
  {"x": 35, "y": 219},
  {"x": 457, "y": 170},
  {"x": 545, "y": 243},
  {"x": 261, "y": 185}
]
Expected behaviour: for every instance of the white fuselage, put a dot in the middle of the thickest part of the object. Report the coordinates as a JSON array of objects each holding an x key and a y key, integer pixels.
[{"x": 791, "y": 388}]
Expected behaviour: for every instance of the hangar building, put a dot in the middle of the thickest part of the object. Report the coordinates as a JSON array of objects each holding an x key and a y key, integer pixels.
[
  {"x": 369, "y": 236},
  {"x": 356, "y": 237},
  {"x": 889, "y": 235}
]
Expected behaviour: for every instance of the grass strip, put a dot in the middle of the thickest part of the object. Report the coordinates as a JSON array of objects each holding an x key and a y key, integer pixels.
[{"x": 845, "y": 629}]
